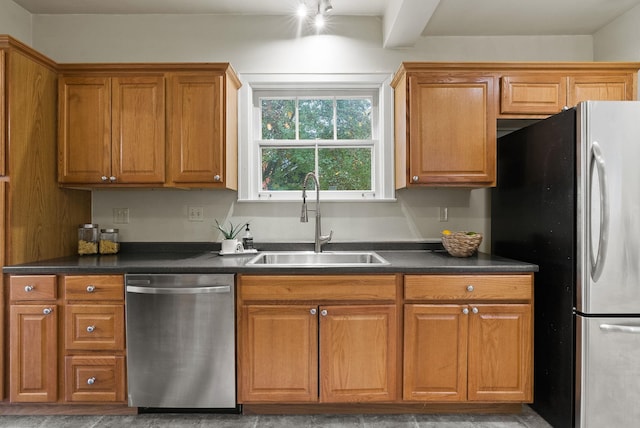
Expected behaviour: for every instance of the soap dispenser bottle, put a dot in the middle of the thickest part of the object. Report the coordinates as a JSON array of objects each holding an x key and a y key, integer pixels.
[{"x": 247, "y": 239}]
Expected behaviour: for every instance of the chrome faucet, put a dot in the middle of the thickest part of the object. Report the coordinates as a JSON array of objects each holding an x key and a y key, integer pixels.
[{"x": 304, "y": 216}]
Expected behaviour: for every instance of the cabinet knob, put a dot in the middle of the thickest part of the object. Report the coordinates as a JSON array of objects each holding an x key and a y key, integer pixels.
[
  {"x": 313, "y": 311},
  {"x": 465, "y": 311},
  {"x": 28, "y": 288},
  {"x": 104, "y": 178},
  {"x": 47, "y": 311},
  {"x": 469, "y": 288},
  {"x": 90, "y": 328},
  {"x": 216, "y": 177},
  {"x": 91, "y": 381},
  {"x": 415, "y": 178},
  {"x": 91, "y": 288},
  {"x": 323, "y": 312},
  {"x": 112, "y": 179},
  {"x": 474, "y": 310}
]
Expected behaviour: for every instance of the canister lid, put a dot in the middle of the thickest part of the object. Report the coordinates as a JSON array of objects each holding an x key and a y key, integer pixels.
[
  {"x": 109, "y": 230},
  {"x": 88, "y": 226}
]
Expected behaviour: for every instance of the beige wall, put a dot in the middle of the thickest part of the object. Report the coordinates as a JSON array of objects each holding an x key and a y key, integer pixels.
[
  {"x": 270, "y": 44},
  {"x": 15, "y": 21},
  {"x": 619, "y": 40}
]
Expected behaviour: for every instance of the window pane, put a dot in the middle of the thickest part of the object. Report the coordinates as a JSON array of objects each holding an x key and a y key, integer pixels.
[
  {"x": 354, "y": 119},
  {"x": 285, "y": 168},
  {"x": 316, "y": 119},
  {"x": 345, "y": 168},
  {"x": 278, "y": 119}
]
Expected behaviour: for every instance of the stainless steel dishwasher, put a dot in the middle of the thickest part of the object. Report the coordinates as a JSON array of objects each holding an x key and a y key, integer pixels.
[{"x": 181, "y": 341}]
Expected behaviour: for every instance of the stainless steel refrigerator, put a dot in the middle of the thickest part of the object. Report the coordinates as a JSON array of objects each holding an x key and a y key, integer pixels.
[{"x": 568, "y": 200}]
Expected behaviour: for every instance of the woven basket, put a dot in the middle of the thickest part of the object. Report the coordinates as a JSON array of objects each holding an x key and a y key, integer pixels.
[{"x": 459, "y": 244}]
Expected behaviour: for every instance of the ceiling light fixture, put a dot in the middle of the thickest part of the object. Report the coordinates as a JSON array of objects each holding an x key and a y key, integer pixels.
[{"x": 322, "y": 8}]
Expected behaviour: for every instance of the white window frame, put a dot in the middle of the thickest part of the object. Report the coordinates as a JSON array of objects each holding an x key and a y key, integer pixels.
[{"x": 249, "y": 165}]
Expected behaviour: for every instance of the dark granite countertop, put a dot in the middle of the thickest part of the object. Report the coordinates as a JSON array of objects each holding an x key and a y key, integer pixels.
[{"x": 412, "y": 257}]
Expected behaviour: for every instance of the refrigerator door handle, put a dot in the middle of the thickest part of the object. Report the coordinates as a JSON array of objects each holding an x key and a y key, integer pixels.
[
  {"x": 620, "y": 328},
  {"x": 597, "y": 161}
]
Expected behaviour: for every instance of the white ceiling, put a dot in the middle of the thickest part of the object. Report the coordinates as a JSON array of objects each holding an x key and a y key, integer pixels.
[{"x": 404, "y": 20}]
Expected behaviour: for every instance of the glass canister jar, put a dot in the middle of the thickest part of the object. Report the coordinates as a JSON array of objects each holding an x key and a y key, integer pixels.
[
  {"x": 109, "y": 243},
  {"x": 87, "y": 239}
]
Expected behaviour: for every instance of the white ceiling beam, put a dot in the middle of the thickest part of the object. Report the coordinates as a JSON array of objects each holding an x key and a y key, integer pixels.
[{"x": 405, "y": 20}]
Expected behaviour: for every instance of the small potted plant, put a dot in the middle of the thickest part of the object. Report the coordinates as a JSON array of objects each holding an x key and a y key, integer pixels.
[{"x": 229, "y": 243}]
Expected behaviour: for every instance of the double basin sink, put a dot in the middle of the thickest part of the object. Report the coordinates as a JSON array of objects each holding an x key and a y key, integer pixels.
[{"x": 312, "y": 259}]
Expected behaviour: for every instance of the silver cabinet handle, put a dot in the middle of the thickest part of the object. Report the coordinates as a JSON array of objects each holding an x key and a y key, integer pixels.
[
  {"x": 415, "y": 178},
  {"x": 469, "y": 288},
  {"x": 90, "y": 329},
  {"x": 47, "y": 311},
  {"x": 91, "y": 288},
  {"x": 28, "y": 288},
  {"x": 216, "y": 177},
  {"x": 313, "y": 311},
  {"x": 620, "y": 328},
  {"x": 91, "y": 381},
  {"x": 104, "y": 178},
  {"x": 465, "y": 311},
  {"x": 475, "y": 310},
  {"x": 323, "y": 312},
  {"x": 112, "y": 179}
]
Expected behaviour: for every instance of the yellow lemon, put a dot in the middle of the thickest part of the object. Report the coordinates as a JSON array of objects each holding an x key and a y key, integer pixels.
[{"x": 446, "y": 232}]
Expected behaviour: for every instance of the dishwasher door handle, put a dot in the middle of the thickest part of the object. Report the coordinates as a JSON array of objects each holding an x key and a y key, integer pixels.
[{"x": 205, "y": 289}]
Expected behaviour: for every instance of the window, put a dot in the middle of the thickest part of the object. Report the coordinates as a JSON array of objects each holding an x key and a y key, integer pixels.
[{"x": 332, "y": 125}]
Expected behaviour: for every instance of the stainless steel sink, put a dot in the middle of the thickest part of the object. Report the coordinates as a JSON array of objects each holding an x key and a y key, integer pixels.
[{"x": 311, "y": 259}]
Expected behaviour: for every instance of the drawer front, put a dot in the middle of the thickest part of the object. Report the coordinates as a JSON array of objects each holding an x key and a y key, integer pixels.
[
  {"x": 95, "y": 379},
  {"x": 32, "y": 287},
  {"x": 94, "y": 327},
  {"x": 94, "y": 287},
  {"x": 469, "y": 287},
  {"x": 318, "y": 287}
]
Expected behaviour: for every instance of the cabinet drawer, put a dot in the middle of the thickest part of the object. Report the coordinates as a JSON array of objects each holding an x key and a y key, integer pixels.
[
  {"x": 33, "y": 287},
  {"x": 318, "y": 287},
  {"x": 94, "y": 327},
  {"x": 94, "y": 287},
  {"x": 468, "y": 287},
  {"x": 94, "y": 379}
]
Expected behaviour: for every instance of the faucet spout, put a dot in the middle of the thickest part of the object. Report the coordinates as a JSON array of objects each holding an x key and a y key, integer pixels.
[{"x": 320, "y": 239}]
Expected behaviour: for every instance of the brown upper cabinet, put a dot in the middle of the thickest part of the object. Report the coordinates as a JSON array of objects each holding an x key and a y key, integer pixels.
[
  {"x": 445, "y": 113},
  {"x": 147, "y": 125},
  {"x": 445, "y": 133},
  {"x": 111, "y": 129},
  {"x": 538, "y": 93},
  {"x": 203, "y": 129}
]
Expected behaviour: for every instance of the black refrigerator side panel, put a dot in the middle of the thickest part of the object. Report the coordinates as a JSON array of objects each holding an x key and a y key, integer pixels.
[{"x": 533, "y": 219}]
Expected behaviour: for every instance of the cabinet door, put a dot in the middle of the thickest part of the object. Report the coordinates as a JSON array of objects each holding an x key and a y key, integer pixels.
[
  {"x": 196, "y": 134},
  {"x": 138, "y": 137},
  {"x": 358, "y": 353},
  {"x": 600, "y": 88},
  {"x": 33, "y": 353},
  {"x": 541, "y": 94},
  {"x": 3, "y": 134},
  {"x": 452, "y": 130},
  {"x": 279, "y": 353},
  {"x": 500, "y": 353},
  {"x": 435, "y": 352},
  {"x": 84, "y": 129}
]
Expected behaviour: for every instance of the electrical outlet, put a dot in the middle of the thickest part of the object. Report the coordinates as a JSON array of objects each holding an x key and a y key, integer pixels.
[
  {"x": 121, "y": 215},
  {"x": 443, "y": 214},
  {"x": 195, "y": 213}
]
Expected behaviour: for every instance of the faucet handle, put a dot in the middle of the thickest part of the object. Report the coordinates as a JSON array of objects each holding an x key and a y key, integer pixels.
[{"x": 326, "y": 238}]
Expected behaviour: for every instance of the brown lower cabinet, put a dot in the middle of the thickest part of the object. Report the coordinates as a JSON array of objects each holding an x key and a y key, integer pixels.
[
  {"x": 67, "y": 331},
  {"x": 322, "y": 339},
  {"x": 468, "y": 338}
]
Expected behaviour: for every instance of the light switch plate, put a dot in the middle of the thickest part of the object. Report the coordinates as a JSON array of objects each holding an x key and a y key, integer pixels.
[
  {"x": 195, "y": 213},
  {"x": 443, "y": 214},
  {"x": 121, "y": 215}
]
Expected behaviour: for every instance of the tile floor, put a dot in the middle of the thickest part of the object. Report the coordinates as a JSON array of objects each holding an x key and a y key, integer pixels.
[{"x": 527, "y": 419}]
